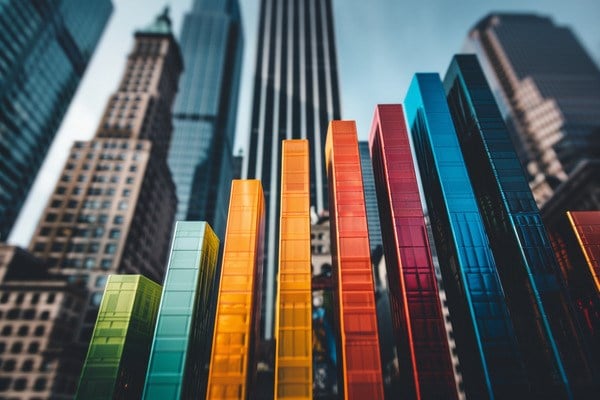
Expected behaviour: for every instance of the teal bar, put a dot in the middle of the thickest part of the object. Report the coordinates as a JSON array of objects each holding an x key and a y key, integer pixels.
[
  {"x": 183, "y": 334},
  {"x": 117, "y": 358}
]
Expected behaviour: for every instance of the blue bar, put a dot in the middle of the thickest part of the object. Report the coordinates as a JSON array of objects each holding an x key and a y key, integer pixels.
[
  {"x": 489, "y": 356},
  {"x": 526, "y": 264}
]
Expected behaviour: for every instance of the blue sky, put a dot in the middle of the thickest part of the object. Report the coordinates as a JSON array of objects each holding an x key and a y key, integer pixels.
[{"x": 381, "y": 44}]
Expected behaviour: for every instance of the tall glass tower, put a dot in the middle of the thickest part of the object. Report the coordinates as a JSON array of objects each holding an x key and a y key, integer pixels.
[
  {"x": 548, "y": 88},
  {"x": 201, "y": 153},
  {"x": 45, "y": 47},
  {"x": 296, "y": 94}
]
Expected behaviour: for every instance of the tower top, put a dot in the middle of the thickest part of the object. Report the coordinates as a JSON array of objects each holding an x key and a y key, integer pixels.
[{"x": 160, "y": 26}]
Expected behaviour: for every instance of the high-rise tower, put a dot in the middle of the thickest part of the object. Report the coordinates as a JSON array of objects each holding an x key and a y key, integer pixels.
[
  {"x": 296, "y": 94},
  {"x": 201, "y": 154},
  {"x": 113, "y": 207},
  {"x": 548, "y": 88},
  {"x": 45, "y": 47}
]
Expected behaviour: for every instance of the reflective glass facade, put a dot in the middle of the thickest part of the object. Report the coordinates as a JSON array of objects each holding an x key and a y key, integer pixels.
[
  {"x": 296, "y": 94},
  {"x": 200, "y": 156},
  {"x": 117, "y": 358},
  {"x": 357, "y": 318},
  {"x": 45, "y": 47},
  {"x": 182, "y": 338},
  {"x": 293, "y": 314},
  {"x": 420, "y": 334},
  {"x": 547, "y": 335},
  {"x": 489, "y": 356},
  {"x": 232, "y": 370}
]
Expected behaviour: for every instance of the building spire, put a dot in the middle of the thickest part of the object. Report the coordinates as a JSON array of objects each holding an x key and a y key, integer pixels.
[{"x": 160, "y": 25}]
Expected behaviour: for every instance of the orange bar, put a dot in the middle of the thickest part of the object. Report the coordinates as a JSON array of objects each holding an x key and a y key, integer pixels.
[
  {"x": 238, "y": 305},
  {"x": 293, "y": 322},
  {"x": 352, "y": 264}
]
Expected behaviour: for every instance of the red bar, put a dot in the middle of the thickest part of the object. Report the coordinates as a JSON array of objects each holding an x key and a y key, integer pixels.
[
  {"x": 419, "y": 327},
  {"x": 352, "y": 265}
]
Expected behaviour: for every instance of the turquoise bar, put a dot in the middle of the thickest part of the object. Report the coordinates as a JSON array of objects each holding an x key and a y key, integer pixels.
[{"x": 181, "y": 346}]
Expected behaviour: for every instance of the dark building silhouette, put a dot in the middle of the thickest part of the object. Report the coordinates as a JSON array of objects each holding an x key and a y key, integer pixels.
[
  {"x": 296, "y": 94},
  {"x": 45, "y": 47},
  {"x": 204, "y": 113}
]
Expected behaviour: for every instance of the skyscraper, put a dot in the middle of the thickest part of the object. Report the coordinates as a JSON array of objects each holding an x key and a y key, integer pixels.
[
  {"x": 201, "y": 152},
  {"x": 548, "y": 88},
  {"x": 547, "y": 333},
  {"x": 45, "y": 47},
  {"x": 296, "y": 94},
  {"x": 113, "y": 207},
  {"x": 491, "y": 363}
]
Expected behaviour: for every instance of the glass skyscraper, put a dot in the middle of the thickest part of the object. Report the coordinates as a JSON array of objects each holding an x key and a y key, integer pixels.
[
  {"x": 296, "y": 94},
  {"x": 45, "y": 47},
  {"x": 201, "y": 153},
  {"x": 548, "y": 88},
  {"x": 545, "y": 326}
]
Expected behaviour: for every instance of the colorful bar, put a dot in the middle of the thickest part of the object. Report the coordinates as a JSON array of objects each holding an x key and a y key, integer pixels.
[
  {"x": 180, "y": 349},
  {"x": 546, "y": 330},
  {"x": 586, "y": 226},
  {"x": 490, "y": 359},
  {"x": 117, "y": 358},
  {"x": 231, "y": 371},
  {"x": 419, "y": 327},
  {"x": 361, "y": 365},
  {"x": 576, "y": 242},
  {"x": 293, "y": 319}
]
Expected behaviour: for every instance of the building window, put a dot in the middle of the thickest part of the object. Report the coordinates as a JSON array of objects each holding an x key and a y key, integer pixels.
[
  {"x": 39, "y": 330},
  {"x": 16, "y": 348},
  {"x": 40, "y": 384},
  {"x": 33, "y": 348},
  {"x": 9, "y": 365},
  {"x": 51, "y": 297},
  {"x": 27, "y": 366},
  {"x": 105, "y": 264},
  {"x": 114, "y": 233},
  {"x": 110, "y": 248},
  {"x": 23, "y": 330},
  {"x": 118, "y": 219},
  {"x": 20, "y": 384},
  {"x": 7, "y": 330},
  {"x": 100, "y": 281}
]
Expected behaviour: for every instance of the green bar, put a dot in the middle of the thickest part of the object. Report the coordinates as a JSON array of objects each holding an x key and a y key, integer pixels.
[{"x": 117, "y": 358}]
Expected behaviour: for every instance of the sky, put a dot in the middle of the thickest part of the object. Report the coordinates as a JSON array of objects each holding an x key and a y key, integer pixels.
[{"x": 380, "y": 43}]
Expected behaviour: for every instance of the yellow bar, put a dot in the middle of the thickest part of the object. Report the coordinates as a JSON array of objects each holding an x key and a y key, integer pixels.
[
  {"x": 293, "y": 323},
  {"x": 238, "y": 303}
]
